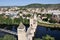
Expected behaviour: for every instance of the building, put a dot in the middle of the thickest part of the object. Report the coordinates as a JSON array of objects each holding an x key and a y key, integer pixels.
[{"x": 56, "y": 16}]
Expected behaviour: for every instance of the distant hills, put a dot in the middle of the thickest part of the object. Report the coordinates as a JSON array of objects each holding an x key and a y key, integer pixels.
[
  {"x": 43, "y": 5},
  {"x": 53, "y": 6},
  {"x": 36, "y": 5}
]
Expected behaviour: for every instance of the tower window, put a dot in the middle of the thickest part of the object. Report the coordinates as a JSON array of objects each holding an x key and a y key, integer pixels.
[{"x": 31, "y": 24}]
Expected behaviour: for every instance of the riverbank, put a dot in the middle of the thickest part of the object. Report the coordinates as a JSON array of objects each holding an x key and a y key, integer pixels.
[{"x": 52, "y": 25}]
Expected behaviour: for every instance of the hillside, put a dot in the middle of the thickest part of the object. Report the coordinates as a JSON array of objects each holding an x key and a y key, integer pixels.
[
  {"x": 55, "y": 6},
  {"x": 36, "y": 5}
]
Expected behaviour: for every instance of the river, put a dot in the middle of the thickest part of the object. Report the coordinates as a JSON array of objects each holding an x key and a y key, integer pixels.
[{"x": 40, "y": 31}]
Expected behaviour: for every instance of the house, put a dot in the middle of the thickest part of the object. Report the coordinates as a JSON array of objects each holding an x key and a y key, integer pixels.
[{"x": 56, "y": 16}]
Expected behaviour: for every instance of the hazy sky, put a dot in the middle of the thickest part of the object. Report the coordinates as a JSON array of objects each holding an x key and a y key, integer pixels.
[{"x": 25, "y": 2}]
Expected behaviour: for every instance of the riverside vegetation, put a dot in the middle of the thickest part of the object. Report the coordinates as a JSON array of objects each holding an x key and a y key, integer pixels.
[{"x": 10, "y": 37}]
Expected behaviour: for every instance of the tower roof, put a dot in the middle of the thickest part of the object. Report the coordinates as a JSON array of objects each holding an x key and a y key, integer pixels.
[{"x": 21, "y": 26}]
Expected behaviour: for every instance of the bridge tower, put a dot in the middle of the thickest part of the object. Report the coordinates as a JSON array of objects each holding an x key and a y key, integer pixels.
[
  {"x": 33, "y": 21},
  {"x": 21, "y": 32},
  {"x": 32, "y": 28}
]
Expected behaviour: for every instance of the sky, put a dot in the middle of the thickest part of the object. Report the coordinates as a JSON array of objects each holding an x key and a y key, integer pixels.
[{"x": 26, "y": 2}]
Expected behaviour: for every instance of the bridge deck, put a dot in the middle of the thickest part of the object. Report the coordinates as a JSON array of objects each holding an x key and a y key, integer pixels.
[{"x": 8, "y": 31}]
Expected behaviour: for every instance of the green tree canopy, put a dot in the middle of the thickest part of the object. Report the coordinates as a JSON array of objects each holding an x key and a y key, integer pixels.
[
  {"x": 9, "y": 37},
  {"x": 47, "y": 37}
]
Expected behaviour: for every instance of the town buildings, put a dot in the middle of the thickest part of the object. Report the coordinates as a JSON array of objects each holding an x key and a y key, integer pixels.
[{"x": 15, "y": 12}]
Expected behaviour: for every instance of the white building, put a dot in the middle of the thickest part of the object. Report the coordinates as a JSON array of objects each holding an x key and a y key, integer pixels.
[{"x": 53, "y": 11}]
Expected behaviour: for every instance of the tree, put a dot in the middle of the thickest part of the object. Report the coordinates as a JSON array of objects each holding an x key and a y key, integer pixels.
[
  {"x": 37, "y": 39},
  {"x": 52, "y": 21},
  {"x": 9, "y": 37},
  {"x": 46, "y": 19},
  {"x": 28, "y": 15},
  {"x": 49, "y": 15},
  {"x": 25, "y": 21},
  {"x": 47, "y": 37},
  {"x": 1, "y": 38},
  {"x": 17, "y": 20}
]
